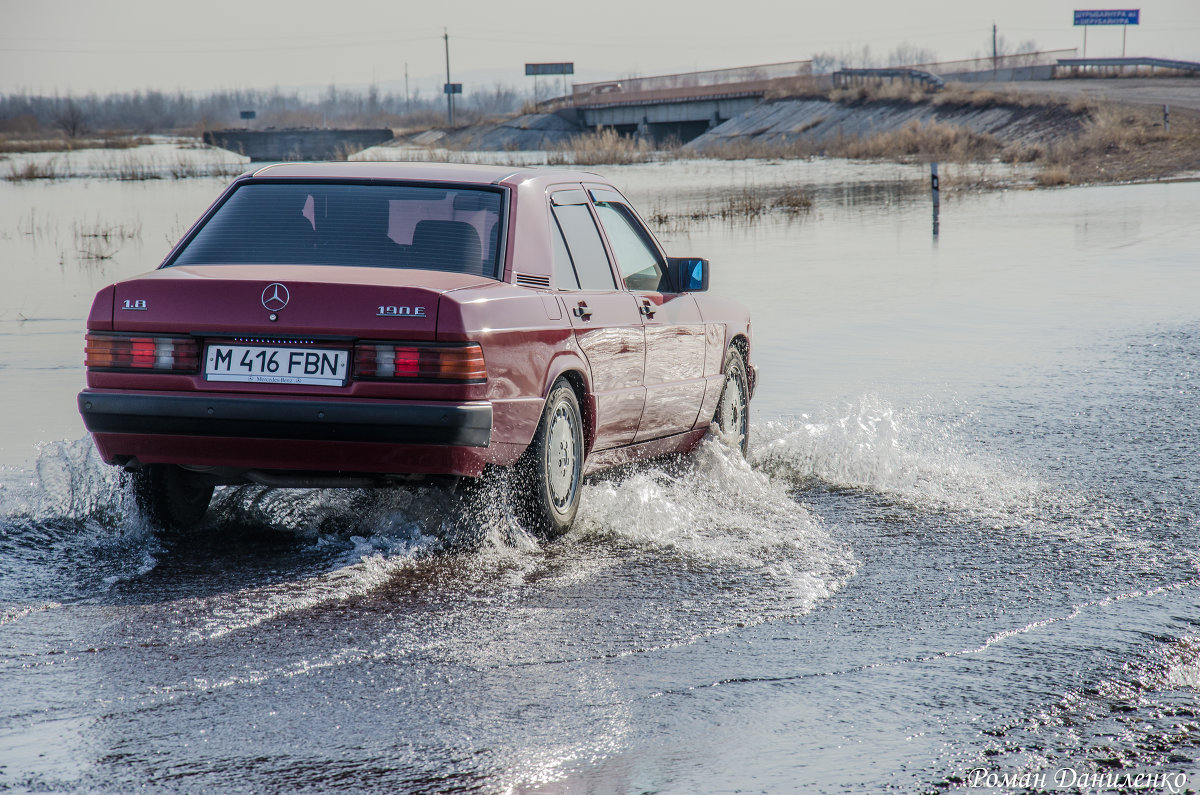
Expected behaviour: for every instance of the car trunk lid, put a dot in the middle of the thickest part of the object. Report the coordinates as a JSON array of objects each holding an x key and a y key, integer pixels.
[{"x": 267, "y": 300}]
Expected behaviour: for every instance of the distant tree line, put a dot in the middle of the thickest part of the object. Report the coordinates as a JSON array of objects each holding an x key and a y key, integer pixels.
[{"x": 144, "y": 112}]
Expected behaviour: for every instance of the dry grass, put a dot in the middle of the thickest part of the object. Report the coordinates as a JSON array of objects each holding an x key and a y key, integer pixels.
[
  {"x": 1053, "y": 176},
  {"x": 604, "y": 148},
  {"x": 130, "y": 168},
  {"x": 1124, "y": 143},
  {"x": 15, "y": 145},
  {"x": 101, "y": 240},
  {"x": 898, "y": 91},
  {"x": 32, "y": 169},
  {"x": 742, "y": 205},
  {"x": 914, "y": 141},
  {"x": 793, "y": 201},
  {"x": 929, "y": 141},
  {"x": 755, "y": 149},
  {"x": 805, "y": 86},
  {"x": 967, "y": 95}
]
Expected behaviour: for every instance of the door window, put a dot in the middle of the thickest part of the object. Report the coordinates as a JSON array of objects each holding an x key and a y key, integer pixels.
[
  {"x": 565, "y": 277},
  {"x": 584, "y": 244},
  {"x": 637, "y": 260}
]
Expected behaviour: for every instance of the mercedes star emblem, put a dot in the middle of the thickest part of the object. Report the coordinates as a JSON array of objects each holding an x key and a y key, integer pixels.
[{"x": 275, "y": 297}]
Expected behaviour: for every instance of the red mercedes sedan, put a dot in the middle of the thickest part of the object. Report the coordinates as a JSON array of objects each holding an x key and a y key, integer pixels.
[{"x": 362, "y": 324}]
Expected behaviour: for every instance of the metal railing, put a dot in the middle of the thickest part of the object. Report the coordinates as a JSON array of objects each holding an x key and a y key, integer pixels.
[
  {"x": 687, "y": 85},
  {"x": 1119, "y": 64},
  {"x": 986, "y": 64},
  {"x": 845, "y": 77}
]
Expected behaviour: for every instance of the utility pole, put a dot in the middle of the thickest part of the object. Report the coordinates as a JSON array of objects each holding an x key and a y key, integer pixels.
[
  {"x": 994, "y": 52},
  {"x": 407, "y": 101},
  {"x": 449, "y": 96}
]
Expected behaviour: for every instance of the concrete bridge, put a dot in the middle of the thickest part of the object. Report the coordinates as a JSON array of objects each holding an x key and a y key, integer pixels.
[
  {"x": 684, "y": 106},
  {"x": 681, "y": 105}
]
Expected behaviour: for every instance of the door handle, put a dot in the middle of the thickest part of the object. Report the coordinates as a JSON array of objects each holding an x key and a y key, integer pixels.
[
  {"x": 648, "y": 308},
  {"x": 582, "y": 311}
]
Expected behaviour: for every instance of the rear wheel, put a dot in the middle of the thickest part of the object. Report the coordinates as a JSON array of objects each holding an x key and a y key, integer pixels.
[
  {"x": 551, "y": 469},
  {"x": 731, "y": 423},
  {"x": 171, "y": 497}
]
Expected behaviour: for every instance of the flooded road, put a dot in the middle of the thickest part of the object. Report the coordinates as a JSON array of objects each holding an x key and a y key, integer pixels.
[{"x": 964, "y": 549}]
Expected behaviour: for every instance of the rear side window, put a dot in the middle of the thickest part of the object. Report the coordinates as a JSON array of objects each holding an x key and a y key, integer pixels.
[
  {"x": 392, "y": 226},
  {"x": 564, "y": 272},
  {"x": 586, "y": 248}
]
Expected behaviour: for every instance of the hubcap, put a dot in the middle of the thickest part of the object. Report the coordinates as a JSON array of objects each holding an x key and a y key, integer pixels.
[
  {"x": 561, "y": 457},
  {"x": 733, "y": 412}
]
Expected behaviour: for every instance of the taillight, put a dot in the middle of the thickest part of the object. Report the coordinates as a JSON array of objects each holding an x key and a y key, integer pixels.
[
  {"x": 420, "y": 362},
  {"x": 127, "y": 352}
]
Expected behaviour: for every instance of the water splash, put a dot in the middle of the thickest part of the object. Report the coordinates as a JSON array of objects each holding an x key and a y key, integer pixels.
[
  {"x": 908, "y": 455},
  {"x": 71, "y": 530}
]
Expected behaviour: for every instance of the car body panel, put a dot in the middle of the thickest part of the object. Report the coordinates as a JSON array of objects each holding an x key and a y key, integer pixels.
[{"x": 647, "y": 365}]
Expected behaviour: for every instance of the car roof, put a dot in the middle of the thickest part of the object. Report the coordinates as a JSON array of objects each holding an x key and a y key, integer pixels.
[{"x": 422, "y": 172}]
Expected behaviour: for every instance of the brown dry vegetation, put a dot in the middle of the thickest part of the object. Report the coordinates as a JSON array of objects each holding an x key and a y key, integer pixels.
[
  {"x": 33, "y": 170},
  {"x": 740, "y": 205},
  {"x": 15, "y": 144},
  {"x": 1123, "y": 143},
  {"x": 1114, "y": 142},
  {"x": 930, "y": 141},
  {"x": 952, "y": 94},
  {"x": 604, "y": 148}
]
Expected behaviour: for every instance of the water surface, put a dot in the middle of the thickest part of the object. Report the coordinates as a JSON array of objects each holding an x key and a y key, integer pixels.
[{"x": 965, "y": 539}]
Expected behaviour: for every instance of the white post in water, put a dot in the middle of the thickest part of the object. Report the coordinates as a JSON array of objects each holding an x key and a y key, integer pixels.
[{"x": 937, "y": 194}]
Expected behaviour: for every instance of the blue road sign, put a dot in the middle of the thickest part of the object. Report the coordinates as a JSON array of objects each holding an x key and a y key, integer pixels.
[
  {"x": 1108, "y": 16},
  {"x": 452, "y": 88}
]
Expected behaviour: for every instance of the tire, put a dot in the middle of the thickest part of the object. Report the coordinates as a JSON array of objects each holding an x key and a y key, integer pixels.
[
  {"x": 171, "y": 497},
  {"x": 550, "y": 472},
  {"x": 731, "y": 422}
]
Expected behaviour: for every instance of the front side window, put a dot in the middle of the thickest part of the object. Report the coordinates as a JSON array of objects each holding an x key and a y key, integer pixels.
[
  {"x": 391, "y": 226},
  {"x": 637, "y": 260}
]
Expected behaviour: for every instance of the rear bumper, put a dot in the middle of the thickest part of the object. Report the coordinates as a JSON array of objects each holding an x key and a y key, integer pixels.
[{"x": 148, "y": 414}]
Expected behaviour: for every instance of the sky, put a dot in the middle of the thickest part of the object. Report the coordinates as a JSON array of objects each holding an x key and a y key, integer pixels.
[{"x": 82, "y": 46}]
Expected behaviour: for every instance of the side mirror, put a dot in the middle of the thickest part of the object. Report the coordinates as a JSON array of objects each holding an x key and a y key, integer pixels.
[{"x": 689, "y": 273}]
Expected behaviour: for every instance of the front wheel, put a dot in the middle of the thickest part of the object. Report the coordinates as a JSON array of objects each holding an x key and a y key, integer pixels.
[
  {"x": 171, "y": 497},
  {"x": 551, "y": 469},
  {"x": 731, "y": 423}
]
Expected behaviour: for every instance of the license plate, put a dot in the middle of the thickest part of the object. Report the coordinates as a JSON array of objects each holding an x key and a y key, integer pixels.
[{"x": 268, "y": 365}]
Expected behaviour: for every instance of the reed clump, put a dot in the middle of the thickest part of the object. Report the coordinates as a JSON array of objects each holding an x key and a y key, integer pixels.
[
  {"x": 131, "y": 168},
  {"x": 101, "y": 240},
  {"x": 606, "y": 147},
  {"x": 1053, "y": 176},
  {"x": 742, "y": 205},
  {"x": 794, "y": 201},
  {"x": 34, "y": 169}
]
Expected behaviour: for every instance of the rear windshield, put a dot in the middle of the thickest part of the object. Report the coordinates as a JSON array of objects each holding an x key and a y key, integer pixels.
[{"x": 389, "y": 226}]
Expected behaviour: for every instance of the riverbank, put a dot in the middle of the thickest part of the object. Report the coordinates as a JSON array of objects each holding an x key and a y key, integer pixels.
[
  {"x": 997, "y": 137},
  {"x": 1081, "y": 139}
]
